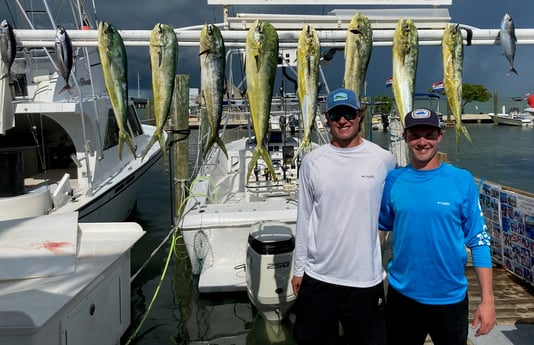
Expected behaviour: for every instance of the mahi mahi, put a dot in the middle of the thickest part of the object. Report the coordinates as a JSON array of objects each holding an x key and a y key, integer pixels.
[
  {"x": 8, "y": 46},
  {"x": 452, "y": 48},
  {"x": 163, "y": 51},
  {"x": 358, "y": 49},
  {"x": 115, "y": 67},
  {"x": 261, "y": 56},
  {"x": 212, "y": 66},
  {"x": 308, "y": 55},
  {"x": 405, "y": 55}
]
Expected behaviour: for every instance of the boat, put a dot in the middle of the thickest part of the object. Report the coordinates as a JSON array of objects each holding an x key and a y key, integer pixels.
[
  {"x": 513, "y": 118},
  {"x": 65, "y": 282},
  {"x": 239, "y": 235},
  {"x": 59, "y": 147}
]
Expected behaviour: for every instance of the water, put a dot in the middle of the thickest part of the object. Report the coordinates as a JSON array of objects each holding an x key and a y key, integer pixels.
[{"x": 181, "y": 316}]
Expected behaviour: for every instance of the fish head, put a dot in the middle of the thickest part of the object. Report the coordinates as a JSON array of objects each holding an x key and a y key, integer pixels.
[
  {"x": 452, "y": 36},
  {"x": 507, "y": 24}
]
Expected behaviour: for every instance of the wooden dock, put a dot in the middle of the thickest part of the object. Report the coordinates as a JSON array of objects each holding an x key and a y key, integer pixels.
[{"x": 514, "y": 305}]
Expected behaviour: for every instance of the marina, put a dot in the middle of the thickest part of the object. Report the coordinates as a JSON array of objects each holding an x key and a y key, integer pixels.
[{"x": 205, "y": 256}]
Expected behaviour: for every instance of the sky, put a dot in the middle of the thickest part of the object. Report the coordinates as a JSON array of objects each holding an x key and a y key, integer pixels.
[{"x": 485, "y": 65}]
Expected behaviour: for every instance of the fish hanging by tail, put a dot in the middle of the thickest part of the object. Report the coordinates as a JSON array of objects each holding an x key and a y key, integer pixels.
[
  {"x": 163, "y": 51},
  {"x": 308, "y": 56},
  {"x": 64, "y": 57},
  {"x": 453, "y": 55},
  {"x": 508, "y": 41},
  {"x": 358, "y": 49},
  {"x": 405, "y": 56},
  {"x": 261, "y": 59},
  {"x": 8, "y": 46},
  {"x": 115, "y": 67},
  {"x": 212, "y": 81}
]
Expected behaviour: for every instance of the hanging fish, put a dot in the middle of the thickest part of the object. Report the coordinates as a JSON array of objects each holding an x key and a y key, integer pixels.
[
  {"x": 358, "y": 49},
  {"x": 64, "y": 58},
  {"x": 405, "y": 55},
  {"x": 8, "y": 46},
  {"x": 453, "y": 55},
  {"x": 261, "y": 56},
  {"x": 308, "y": 56},
  {"x": 212, "y": 66},
  {"x": 163, "y": 57},
  {"x": 115, "y": 67},
  {"x": 508, "y": 41}
]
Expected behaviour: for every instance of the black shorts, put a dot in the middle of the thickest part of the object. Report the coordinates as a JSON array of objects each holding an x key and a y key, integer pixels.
[
  {"x": 409, "y": 322},
  {"x": 321, "y": 307}
]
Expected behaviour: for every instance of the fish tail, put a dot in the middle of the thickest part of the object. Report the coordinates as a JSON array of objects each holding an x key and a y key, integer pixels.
[
  {"x": 466, "y": 135},
  {"x": 512, "y": 70},
  {"x": 219, "y": 142},
  {"x": 213, "y": 140},
  {"x": 163, "y": 147},
  {"x": 153, "y": 139},
  {"x": 66, "y": 87},
  {"x": 125, "y": 138},
  {"x": 305, "y": 146},
  {"x": 254, "y": 159},
  {"x": 265, "y": 154}
]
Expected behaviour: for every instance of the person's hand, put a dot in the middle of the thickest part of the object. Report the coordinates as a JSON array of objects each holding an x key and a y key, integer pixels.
[
  {"x": 485, "y": 318},
  {"x": 295, "y": 284}
]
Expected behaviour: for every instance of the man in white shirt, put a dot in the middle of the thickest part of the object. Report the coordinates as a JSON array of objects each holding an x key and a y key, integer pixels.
[{"x": 338, "y": 274}]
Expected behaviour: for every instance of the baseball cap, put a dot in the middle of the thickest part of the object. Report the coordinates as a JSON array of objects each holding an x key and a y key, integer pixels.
[
  {"x": 342, "y": 97},
  {"x": 419, "y": 117}
]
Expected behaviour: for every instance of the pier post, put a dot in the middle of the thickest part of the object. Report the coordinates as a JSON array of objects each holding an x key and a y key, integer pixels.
[{"x": 180, "y": 138}]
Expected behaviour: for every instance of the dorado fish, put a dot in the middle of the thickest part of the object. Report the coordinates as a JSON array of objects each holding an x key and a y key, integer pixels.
[
  {"x": 163, "y": 50},
  {"x": 308, "y": 55},
  {"x": 405, "y": 55},
  {"x": 115, "y": 67},
  {"x": 452, "y": 48},
  {"x": 212, "y": 66},
  {"x": 358, "y": 48},
  {"x": 8, "y": 46},
  {"x": 64, "y": 58},
  {"x": 261, "y": 56},
  {"x": 508, "y": 41}
]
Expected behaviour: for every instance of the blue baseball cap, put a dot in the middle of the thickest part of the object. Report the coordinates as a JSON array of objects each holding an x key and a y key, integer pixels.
[
  {"x": 419, "y": 117},
  {"x": 342, "y": 97}
]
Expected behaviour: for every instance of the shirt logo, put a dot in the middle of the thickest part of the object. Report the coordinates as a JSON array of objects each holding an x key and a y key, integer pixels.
[{"x": 444, "y": 203}]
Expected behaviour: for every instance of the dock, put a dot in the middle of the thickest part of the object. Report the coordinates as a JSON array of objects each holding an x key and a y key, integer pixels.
[{"x": 514, "y": 306}]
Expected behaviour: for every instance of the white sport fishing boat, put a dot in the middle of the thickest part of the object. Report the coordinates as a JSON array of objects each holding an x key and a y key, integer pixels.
[
  {"x": 58, "y": 148},
  {"x": 240, "y": 235}
]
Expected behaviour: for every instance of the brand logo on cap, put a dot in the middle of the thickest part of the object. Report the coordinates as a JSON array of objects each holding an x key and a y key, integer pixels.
[
  {"x": 341, "y": 96},
  {"x": 420, "y": 114}
]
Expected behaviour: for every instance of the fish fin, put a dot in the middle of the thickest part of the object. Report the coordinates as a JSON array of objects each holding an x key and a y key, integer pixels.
[
  {"x": 204, "y": 52},
  {"x": 153, "y": 139}
]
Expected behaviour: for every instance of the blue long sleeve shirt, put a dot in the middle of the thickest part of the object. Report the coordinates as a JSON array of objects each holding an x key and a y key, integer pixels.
[{"x": 434, "y": 215}]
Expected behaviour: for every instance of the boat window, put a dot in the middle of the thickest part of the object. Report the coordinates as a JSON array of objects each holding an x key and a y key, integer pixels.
[
  {"x": 112, "y": 131},
  {"x": 20, "y": 85}
]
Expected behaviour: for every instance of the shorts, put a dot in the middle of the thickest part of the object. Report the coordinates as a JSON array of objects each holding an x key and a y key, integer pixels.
[
  {"x": 409, "y": 322},
  {"x": 321, "y": 307}
]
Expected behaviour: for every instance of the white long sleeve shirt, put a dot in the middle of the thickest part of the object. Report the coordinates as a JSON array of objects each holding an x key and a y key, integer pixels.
[{"x": 340, "y": 193}]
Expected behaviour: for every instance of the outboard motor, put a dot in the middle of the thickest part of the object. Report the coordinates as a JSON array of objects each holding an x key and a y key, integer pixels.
[{"x": 269, "y": 269}]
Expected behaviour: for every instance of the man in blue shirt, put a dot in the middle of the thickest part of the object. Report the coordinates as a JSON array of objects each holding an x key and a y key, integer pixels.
[{"x": 433, "y": 210}]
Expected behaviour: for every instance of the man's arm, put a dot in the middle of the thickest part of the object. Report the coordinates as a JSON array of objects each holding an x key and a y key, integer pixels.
[{"x": 485, "y": 318}]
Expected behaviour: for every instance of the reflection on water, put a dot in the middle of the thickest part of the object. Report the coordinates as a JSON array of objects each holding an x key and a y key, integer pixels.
[{"x": 181, "y": 316}]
